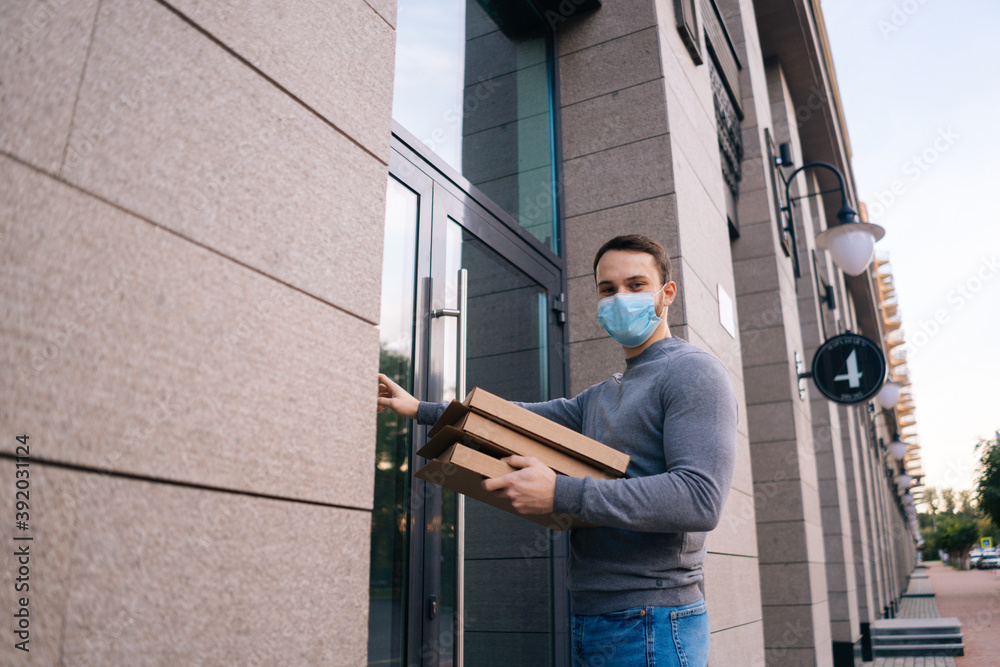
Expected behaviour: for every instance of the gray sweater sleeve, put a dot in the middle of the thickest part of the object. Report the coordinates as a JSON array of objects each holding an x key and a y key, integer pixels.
[
  {"x": 699, "y": 446},
  {"x": 429, "y": 412}
]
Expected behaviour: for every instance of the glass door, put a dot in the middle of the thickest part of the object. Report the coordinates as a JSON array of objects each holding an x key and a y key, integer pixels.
[
  {"x": 491, "y": 567},
  {"x": 454, "y": 581},
  {"x": 391, "y": 584}
]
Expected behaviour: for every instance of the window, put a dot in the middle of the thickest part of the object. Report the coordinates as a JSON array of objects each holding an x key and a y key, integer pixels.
[{"x": 474, "y": 85}]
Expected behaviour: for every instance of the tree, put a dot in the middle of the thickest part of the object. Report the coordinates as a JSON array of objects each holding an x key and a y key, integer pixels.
[
  {"x": 987, "y": 528},
  {"x": 932, "y": 499},
  {"x": 948, "y": 501},
  {"x": 957, "y": 535},
  {"x": 988, "y": 484},
  {"x": 953, "y": 529}
]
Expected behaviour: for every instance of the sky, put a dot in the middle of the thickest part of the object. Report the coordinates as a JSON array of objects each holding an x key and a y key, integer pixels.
[{"x": 919, "y": 86}]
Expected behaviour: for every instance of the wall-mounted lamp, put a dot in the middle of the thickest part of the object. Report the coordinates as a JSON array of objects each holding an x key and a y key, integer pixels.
[
  {"x": 896, "y": 448},
  {"x": 850, "y": 242},
  {"x": 824, "y": 292},
  {"x": 888, "y": 395}
]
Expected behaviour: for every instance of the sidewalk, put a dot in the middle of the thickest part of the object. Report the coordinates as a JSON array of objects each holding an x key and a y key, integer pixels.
[
  {"x": 918, "y": 607},
  {"x": 973, "y": 596}
]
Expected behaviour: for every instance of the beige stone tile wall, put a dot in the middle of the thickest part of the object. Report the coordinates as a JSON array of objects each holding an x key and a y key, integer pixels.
[
  {"x": 36, "y": 111},
  {"x": 612, "y": 118},
  {"x": 224, "y": 157},
  {"x": 192, "y": 201},
  {"x": 641, "y": 156},
  {"x": 127, "y": 572},
  {"x": 794, "y": 589},
  {"x": 705, "y": 266},
  {"x": 859, "y": 526},
  {"x": 826, "y": 426}
]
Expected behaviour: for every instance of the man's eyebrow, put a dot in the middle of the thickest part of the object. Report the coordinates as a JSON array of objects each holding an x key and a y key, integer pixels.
[{"x": 627, "y": 280}]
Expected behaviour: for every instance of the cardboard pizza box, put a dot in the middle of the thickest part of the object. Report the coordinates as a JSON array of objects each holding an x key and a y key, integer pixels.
[
  {"x": 493, "y": 438},
  {"x": 536, "y": 427},
  {"x": 463, "y": 470}
]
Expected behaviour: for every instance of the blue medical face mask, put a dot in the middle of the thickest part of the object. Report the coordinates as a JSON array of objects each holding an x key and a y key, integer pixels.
[{"x": 630, "y": 318}]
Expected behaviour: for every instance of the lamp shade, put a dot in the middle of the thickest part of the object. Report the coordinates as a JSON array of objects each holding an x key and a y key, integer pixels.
[
  {"x": 897, "y": 449},
  {"x": 904, "y": 481},
  {"x": 888, "y": 395},
  {"x": 851, "y": 243}
]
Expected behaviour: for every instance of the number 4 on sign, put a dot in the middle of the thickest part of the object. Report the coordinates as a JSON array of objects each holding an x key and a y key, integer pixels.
[{"x": 853, "y": 375}]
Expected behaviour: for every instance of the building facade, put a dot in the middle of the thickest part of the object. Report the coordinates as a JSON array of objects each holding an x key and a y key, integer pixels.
[{"x": 221, "y": 220}]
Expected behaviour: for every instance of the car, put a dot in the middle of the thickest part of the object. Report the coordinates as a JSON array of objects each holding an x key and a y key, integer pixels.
[{"x": 988, "y": 562}]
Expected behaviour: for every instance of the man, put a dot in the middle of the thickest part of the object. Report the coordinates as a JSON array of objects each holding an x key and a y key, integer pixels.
[{"x": 635, "y": 579}]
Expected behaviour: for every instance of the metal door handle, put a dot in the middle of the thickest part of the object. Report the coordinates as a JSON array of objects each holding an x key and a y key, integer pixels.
[{"x": 461, "y": 313}]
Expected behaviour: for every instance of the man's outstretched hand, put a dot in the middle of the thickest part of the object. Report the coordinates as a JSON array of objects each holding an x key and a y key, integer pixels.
[
  {"x": 531, "y": 489},
  {"x": 397, "y": 399}
]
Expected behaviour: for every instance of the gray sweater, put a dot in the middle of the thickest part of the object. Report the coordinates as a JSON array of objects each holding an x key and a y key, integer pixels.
[{"x": 674, "y": 412}]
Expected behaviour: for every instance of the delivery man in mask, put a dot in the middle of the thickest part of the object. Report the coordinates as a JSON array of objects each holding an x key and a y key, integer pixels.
[{"x": 635, "y": 579}]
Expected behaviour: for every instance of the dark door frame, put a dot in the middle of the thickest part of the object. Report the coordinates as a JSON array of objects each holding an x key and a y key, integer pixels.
[{"x": 415, "y": 165}]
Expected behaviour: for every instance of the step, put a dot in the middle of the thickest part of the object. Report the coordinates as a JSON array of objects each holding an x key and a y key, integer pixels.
[
  {"x": 942, "y": 630},
  {"x": 894, "y": 626},
  {"x": 929, "y": 638},
  {"x": 920, "y": 650}
]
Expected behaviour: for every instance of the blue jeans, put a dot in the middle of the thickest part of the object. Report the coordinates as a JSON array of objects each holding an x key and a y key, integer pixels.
[{"x": 643, "y": 637}]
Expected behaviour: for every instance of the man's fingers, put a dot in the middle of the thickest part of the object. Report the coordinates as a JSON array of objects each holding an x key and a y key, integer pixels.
[
  {"x": 516, "y": 461},
  {"x": 497, "y": 483}
]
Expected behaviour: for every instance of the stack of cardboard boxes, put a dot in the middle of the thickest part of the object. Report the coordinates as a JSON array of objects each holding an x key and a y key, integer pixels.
[{"x": 468, "y": 441}]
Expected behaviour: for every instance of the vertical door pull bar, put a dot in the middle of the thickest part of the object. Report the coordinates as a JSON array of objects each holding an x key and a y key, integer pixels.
[{"x": 461, "y": 313}]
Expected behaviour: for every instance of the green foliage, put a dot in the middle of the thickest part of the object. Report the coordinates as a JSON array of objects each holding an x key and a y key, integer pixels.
[
  {"x": 954, "y": 521},
  {"x": 953, "y": 525},
  {"x": 956, "y": 534},
  {"x": 988, "y": 484},
  {"x": 948, "y": 501},
  {"x": 987, "y": 528}
]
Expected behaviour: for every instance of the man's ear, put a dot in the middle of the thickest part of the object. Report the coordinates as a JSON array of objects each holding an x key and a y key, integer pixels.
[{"x": 672, "y": 288}]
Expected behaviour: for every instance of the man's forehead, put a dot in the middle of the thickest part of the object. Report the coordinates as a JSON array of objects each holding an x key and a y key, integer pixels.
[{"x": 628, "y": 263}]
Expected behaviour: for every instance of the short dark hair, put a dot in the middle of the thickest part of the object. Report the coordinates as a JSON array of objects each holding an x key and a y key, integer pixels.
[{"x": 637, "y": 243}]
